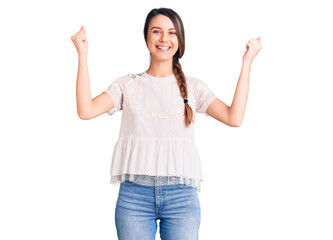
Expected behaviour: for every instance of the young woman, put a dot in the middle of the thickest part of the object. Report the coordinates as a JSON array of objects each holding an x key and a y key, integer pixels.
[{"x": 155, "y": 160}]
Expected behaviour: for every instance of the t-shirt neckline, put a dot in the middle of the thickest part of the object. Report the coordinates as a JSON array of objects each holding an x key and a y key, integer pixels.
[{"x": 159, "y": 78}]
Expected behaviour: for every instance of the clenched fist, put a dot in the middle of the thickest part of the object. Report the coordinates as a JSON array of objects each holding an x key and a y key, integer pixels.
[
  {"x": 80, "y": 41},
  {"x": 253, "y": 47}
]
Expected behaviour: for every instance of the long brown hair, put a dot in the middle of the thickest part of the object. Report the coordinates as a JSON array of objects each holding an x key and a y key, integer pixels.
[{"x": 176, "y": 66}]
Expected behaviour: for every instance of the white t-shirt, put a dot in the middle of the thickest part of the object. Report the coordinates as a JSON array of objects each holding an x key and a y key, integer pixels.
[{"x": 154, "y": 145}]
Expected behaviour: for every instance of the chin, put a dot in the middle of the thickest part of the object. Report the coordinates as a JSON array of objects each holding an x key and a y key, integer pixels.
[{"x": 158, "y": 58}]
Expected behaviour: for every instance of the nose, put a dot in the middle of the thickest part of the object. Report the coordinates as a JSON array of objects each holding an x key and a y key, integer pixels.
[{"x": 163, "y": 37}]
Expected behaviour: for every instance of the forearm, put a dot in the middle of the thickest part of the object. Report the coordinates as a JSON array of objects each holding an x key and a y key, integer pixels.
[
  {"x": 237, "y": 108},
  {"x": 83, "y": 93}
]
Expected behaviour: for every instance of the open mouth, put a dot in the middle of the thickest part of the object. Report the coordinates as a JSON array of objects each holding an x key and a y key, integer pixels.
[{"x": 163, "y": 49}]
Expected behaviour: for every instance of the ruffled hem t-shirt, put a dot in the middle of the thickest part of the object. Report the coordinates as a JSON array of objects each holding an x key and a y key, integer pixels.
[{"x": 154, "y": 145}]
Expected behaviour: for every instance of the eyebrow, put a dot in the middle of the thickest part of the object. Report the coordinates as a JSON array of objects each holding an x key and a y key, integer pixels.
[{"x": 161, "y": 28}]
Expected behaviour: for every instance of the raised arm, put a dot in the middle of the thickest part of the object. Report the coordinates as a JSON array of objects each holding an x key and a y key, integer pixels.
[
  {"x": 233, "y": 115},
  {"x": 87, "y": 108},
  {"x": 83, "y": 93}
]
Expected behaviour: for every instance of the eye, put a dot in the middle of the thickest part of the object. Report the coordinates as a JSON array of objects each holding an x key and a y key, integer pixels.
[
  {"x": 173, "y": 32},
  {"x": 155, "y": 31}
]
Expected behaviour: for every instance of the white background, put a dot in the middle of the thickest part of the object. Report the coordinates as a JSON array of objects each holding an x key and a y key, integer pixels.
[{"x": 271, "y": 178}]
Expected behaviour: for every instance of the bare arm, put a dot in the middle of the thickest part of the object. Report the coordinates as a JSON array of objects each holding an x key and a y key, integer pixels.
[
  {"x": 237, "y": 108},
  {"x": 88, "y": 108},
  {"x": 83, "y": 93},
  {"x": 233, "y": 115}
]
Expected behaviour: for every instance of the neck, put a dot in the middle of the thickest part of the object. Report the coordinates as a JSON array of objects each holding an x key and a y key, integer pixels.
[{"x": 160, "y": 68}]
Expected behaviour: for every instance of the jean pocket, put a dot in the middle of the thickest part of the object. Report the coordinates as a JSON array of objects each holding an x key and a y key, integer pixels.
[{"x": 128, "y": 183}]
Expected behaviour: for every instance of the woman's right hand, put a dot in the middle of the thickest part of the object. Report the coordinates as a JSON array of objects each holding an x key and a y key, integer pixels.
[{"x": 80, "y": 41}]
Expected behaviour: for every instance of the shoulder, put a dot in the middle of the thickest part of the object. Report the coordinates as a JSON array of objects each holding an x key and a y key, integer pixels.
[
  {"x": 197, "y": 85},
  {"x": 190, "y": 80},
  {"x": 193, "y": 81},
  {"x": 131, "y": 76},
  {"x": 125, "y": 79}
]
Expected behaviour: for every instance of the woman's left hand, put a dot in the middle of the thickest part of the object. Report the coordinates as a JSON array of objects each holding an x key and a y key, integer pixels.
[{"x": 253, "y": 47}]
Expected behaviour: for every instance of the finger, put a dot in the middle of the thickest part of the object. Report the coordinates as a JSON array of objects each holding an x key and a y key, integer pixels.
[
  {"x": 259, "y": 39},
  {"x": 83, "y": 29},
  {"x": 81, "y": 35},
  {"x": 250, "y": 45},
  {"x": 79, "y": 39},
  {"x": 255, "y": 41}
]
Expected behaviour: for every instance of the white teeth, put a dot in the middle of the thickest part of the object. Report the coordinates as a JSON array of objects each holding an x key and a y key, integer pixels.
[{"x": 164, "y": 48}]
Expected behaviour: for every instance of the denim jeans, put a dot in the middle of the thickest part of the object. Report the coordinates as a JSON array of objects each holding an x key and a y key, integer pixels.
[{"x": 139, "y": 206}]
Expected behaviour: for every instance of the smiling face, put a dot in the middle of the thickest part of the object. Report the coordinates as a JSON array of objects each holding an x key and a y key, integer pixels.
[{"x": 162, "y": 39}]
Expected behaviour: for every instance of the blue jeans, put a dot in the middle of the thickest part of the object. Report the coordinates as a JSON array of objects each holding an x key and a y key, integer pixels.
[{"x": 139, "y": 206}]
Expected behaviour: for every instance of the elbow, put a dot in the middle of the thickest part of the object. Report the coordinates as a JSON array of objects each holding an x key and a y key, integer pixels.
[
  {"x": 83, "y": 116},
  {"x": 235, "y": 123},
  {"x": 238, "y": 124},
  {"x": 235, "y": 120}
]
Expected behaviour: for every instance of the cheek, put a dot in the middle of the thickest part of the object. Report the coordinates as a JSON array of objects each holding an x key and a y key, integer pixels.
[
  {"x": 175, "y": 42},
  {"x": 151, "y": 45},
  {"x": 175, "y": 45},
  {"x": 152, "y": 42}
]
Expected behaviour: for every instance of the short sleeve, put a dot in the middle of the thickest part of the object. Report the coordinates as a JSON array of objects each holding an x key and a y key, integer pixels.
[
  {"x": 203, "y": 94},
  {"x": 116, "y": 90}
]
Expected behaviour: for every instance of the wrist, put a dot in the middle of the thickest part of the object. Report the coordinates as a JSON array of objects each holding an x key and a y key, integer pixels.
[
  {"x": 247, "y": 61},
  {"x": 83, "y": 56}
]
